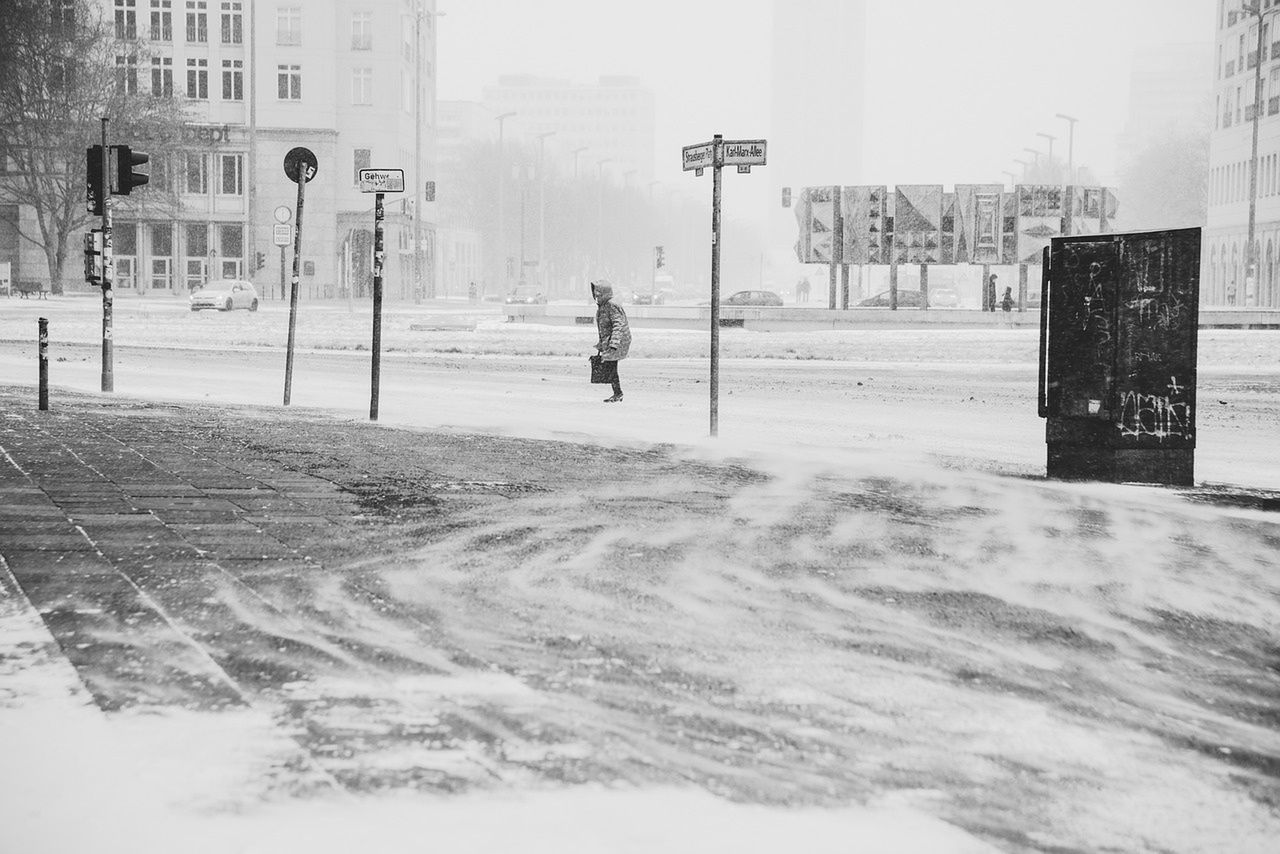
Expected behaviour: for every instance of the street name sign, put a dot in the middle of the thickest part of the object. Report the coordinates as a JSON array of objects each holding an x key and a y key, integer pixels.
[
  {"x": 382, "y": 180},
  {"x": 699, "y": 156},
  {"x": 744, "y": 152}
]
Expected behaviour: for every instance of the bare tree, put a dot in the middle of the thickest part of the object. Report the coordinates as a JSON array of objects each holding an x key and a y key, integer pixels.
[{"x": 63, "y": 67}]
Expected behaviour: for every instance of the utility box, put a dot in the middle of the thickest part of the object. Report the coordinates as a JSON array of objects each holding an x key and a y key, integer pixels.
[{"x": 1119, "y": 315}]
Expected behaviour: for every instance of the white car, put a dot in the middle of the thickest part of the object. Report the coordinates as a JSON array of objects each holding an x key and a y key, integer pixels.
[{"x": 226, "y": 295}]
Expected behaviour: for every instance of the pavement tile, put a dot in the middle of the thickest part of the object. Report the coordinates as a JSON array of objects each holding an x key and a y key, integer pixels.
[
  {"x": 57, "y": 561},
  {"x": 48, "y": 542}
]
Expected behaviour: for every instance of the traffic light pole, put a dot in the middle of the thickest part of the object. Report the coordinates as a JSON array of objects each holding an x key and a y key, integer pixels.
[
  {"x": 717, "y": 162},
  {"x": 293, "y": 291},
  {"x": 108, "y": 268}
]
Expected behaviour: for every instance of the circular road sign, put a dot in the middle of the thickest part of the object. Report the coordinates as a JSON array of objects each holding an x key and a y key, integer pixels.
[
  {"x": 299, "y": 162},
  {"x": 283, "y": 214}
]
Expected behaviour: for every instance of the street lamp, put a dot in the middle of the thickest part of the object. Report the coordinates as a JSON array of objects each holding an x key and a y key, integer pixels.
[
  {"x": 600, "y": 212},
  {"x": 1051, "y": 138},
  {"x": 1013, "y": 177},
  {"x": 500, "y": 242},
  {"x": 1025, "y": 166},
  {"x": 576, "y": 152},
  {"x": 1251, "y": 251},
  {"x": 542, "y": 210},
  {"x": 1071, "y": 146}
]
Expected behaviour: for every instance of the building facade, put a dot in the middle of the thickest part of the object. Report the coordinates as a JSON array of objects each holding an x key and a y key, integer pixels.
[
  {"x": 1226, "y": 279},
  {"x": 354, "y": 82}
]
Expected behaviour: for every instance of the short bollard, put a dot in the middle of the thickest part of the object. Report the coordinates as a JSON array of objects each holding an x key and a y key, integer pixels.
[{"x": 44, "y": 363}]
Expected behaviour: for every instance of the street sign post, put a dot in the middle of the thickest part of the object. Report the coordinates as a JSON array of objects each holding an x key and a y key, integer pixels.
[
  {"x": 379, "y": 182},
  {"x": 300, "y": 166},
  {"x": 720, "y": 152}
]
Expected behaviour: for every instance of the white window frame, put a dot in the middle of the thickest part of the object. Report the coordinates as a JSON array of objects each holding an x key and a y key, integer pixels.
[
  {"x": 289, "y": 25},
  {"x": 197, "y": 22},
  {"x": 232, "y": 80},
  {"x": 362, "y": 31},
  {"x": 198, "y": 79},
  {"x": 362, "y": 86},
  {"x": 162, "y": 20},
  {"x": 201, "y": 160},
  {"x": 288, "y": 82},
  {"x": 236, "y": 162}
]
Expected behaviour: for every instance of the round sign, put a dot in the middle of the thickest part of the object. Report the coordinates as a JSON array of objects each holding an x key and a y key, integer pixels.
[
  {"x": 300, "y": 162},
  {"x": 283, "y": 214}
]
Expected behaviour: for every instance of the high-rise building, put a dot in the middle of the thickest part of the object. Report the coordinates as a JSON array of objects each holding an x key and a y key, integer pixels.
[
  {"x": 352, "y": 82},
  {"x": 1226, "y": 277}
]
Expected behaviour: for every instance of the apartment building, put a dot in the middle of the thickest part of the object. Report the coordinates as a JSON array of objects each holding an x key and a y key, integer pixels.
[
  {"x": 352, "y": 81},
  {"x": 1226, "y": 279}
]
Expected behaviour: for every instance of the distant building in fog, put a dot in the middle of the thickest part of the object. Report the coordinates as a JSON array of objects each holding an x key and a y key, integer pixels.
[
  {"x": 1225, "y": 279},
  {"x": 613, "y": 119},
  {"x": 819, "y": 77},
  {"x": 259, "y": 79},
  {"x": 817, "y": 105},
  {"x": 1170, "y": 89}
]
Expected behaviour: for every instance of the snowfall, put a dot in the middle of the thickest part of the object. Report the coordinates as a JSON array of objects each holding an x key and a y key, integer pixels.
[{"x": 949, "y": 413}]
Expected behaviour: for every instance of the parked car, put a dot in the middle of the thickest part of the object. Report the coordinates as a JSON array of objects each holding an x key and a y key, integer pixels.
[
  {"x": 906, "y": 299},
  {"x": 942, "y": 298},
  {"x": 525, "y": 296},
  {"x": 646, "y": 298},
  {"x": 754, "y": 298},
  {"x": 226, "y": 295}
]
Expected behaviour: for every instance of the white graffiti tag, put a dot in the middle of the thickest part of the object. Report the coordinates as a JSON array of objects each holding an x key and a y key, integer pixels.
[{"x": 1154, "y": 415}]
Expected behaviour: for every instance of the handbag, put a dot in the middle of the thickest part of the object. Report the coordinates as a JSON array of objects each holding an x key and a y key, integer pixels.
[{"x": 599, "y": 372}]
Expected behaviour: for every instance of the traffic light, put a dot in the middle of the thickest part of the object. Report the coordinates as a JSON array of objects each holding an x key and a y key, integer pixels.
[
  {"x": 93, "y": 257},
  {"x": 95, "y": 187},
  {"x": 260, "y": 260},
  {"x": 786, "y": 197},
  {"x": 431, "y": 191},
  {"x": 659, "y": 257},
  {"x": 126, "y": 178}
]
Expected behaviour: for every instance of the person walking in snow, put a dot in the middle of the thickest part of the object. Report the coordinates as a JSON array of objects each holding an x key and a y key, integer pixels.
[
  {"x": 1006, "y": 305},
  {"x": 615, "y": 334}
]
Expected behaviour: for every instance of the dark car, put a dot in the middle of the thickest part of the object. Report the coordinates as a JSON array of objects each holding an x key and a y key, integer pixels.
[
  {"x": 525, "y": 296},
  {"x": 906, "y": 299},
  {"x": 754, "y": 298}
]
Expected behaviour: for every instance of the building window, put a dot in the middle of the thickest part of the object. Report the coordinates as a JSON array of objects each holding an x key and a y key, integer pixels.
[
  {"x": 198, "y": 79},
  {"x": 289, "y": 25},
  {"x": 231, "y": 174},
  {"x": 232, "y": 23},
  {"x": 162, "y": 76},
  {"x": 127, "y": 74},
  {"x": 362, "y": 160},
  {"x": 362, "y": 86},
  {"x": 289, "y": 82},
  {"x": 362, "y": 31},
  {"x": 197, "y": 172},
  {"x": 126, "y": 19},
  {"x": 161, "y": 173},
  {"x": 231, "y": 237},
  {"x": 197, "y": 21},
  {"x": 232, "y": 80},
  {"x": 162, "y": 20}
]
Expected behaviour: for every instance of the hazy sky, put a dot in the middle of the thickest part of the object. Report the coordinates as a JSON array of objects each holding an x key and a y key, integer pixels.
[{"x": 956, "y": 89}]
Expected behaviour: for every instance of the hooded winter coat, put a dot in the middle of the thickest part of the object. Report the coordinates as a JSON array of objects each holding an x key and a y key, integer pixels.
[{"x": 611, "y": 322}]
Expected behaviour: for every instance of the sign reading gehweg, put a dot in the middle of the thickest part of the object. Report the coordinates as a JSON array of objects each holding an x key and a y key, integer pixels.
[{"x": 382, "y": 180}]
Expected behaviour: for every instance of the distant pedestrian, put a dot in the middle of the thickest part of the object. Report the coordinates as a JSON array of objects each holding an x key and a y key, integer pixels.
[
  {"x": 615, "y": 334},
  {"x": 471, "y": 292},
  {"x": 989, "y": 298},
  {"x": 802, "y": 290},
  {"x": 1006, "y": 305}
]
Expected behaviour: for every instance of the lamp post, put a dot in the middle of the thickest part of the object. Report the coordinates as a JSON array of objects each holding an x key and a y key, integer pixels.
[
  {"x": 1251, "y": 250},
  {"x": 600, "y": 212},
  {"x": 1013, "y": 177},
  {"x": 576, "y": 152},
  {"x": 1071, "y": 146},
  {"x": 1026, "y": 166},
  {"x": 1051, "y": 138},
  {"x": 500, "y": 242},
  {"x": 542, "y": 210}
]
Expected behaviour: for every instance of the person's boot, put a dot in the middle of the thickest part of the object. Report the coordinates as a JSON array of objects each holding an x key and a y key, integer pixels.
[{"x": 617, "y": 396}]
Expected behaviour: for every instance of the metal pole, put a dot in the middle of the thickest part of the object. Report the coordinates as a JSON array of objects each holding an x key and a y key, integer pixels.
[
  {"x": 43, "y": 326},
  {"x": 108, "y": 270},
  {"x": 924, "y": 286},
  {"x": 293, "y": 284},
  {"x": 283, "y": 274},
  {"x": 717, "y": 156},
  {"x": 376, "y": 366}
]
